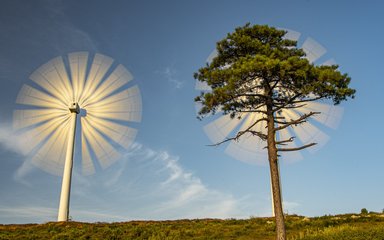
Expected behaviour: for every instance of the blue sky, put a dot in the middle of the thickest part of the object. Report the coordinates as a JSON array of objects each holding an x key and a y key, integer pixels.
[{"x": 169, "y": 172}]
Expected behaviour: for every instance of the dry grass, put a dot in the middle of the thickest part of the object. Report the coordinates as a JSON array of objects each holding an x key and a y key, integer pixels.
[{"x": 348, "y": 226}]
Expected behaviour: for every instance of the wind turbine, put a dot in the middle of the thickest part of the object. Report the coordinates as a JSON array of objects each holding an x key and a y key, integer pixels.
[
  {"x": 251, "y": 149},
  {"x": 72, "y": 91}
]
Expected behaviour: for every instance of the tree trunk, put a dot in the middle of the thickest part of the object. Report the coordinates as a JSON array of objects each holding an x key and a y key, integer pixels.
[{"x": 274, "y": 169}]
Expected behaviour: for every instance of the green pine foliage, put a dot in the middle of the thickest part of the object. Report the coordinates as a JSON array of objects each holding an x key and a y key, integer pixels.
[
  {"x": 340, "y": 227},
  {"x": 261, "y": 52}
]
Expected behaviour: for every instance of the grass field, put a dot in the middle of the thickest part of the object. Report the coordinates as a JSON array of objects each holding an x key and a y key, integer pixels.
[{"x": 348, "y": 227}]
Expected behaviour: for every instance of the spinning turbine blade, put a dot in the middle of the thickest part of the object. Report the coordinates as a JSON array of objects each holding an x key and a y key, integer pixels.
[
  {"x": 286, "y": 134},
  {"x": 78, "y": 65},
  {"x": 104, "y": 151},
  {"x": 50, "y": 157},
  {"x": 88, "y": 167},
  {"x": 120, "y": 134},
  {"x": 54, "y": 79},
  {"x": 220, "y": 129},
  {"x": 249, "y": 148},
  {"x": 211, "y": 56},
  {"x": 27, "y": 118},
  {"x": 119, "y": 77},
  {"x": 291, "y": 34},
  {"x": 330, "y": 115},
  {"x": 100, "y": 97},
  {"x": 237, "y": 151},
  {"x": 292, "y": 156},
  {"x": 40, "y": 133},
  {"x": 313, "y": 50},
  {"x": 98, "y": 93},
  {"x": 124, "y": 105},
  {"x": 31, "y": 96},
  {"x": 202, "y": 86},
  {"x": 99, "y": 68},
  {"x": 251, "y": 142},
  {"x": 307, "y": 133}
]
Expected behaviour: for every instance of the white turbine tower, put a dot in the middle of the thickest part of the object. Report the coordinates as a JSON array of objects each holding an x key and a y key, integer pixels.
[
  {"x": 64, "y": 90},
  {"x": 251, "y": 149}
]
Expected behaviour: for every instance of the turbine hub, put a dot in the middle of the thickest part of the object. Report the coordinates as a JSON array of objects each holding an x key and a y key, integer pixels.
[{"x": 74, "y": 107}]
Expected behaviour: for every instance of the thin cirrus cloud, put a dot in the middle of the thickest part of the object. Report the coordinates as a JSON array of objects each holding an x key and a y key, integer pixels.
[
  {"x": 149, "y": 184},
  {"x": 144, "y": 184},
  {"x": 182, "y": 194},
  {"x": 170, "y": 73},
  {"x": 13, "y": 142},
  {"x": 10, "y": 140}
]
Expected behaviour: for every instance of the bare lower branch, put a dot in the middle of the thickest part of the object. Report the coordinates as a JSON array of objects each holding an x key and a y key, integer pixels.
[
  {"x": 283, "y": 142},
  {"x": 295, "y": 149},
  {"x": 248, "y": 130},
  {"x": 299, "y": 120},
  {"x": 259, "y": 134}
]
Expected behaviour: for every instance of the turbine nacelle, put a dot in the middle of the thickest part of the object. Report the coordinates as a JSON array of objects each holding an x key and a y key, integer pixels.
[{"x": 74, "y": 107}]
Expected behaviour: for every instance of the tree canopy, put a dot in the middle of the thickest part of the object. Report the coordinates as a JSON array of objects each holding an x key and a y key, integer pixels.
[{"x": 255, "y": 64}]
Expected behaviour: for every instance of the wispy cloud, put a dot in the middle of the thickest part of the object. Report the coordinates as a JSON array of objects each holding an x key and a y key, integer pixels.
[
  {"x": 144, "y": 184},
  {"x": 16, "y": 143},
  {"x": 10, "y": 140},
  {"x": 25, "y": 169},
  {"x": 151, "y": 184},
  {"x": 171, "y": 74}
]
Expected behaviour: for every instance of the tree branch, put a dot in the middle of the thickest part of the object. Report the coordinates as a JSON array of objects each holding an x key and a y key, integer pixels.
[
  {"x": 283, "y": 142},
  {"x": 297, "y": 121},
  {"x": 307, "y": 100},
  {"x": 253, "y": 111},
  {"x": 241, "y": 133},
  {"x": 295, "y": 149},
  {"x": 292, "y": 101},
  {"x": 286, "y": 107}
]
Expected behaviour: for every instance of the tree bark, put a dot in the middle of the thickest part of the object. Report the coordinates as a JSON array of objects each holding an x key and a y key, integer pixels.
[{"x": 274, "y": 169}]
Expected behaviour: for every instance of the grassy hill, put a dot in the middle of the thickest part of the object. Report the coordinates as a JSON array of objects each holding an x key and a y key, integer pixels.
[{"x": 348, "y": 226}]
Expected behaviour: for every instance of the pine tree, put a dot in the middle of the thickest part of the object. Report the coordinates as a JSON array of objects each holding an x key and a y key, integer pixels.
[{"x": 257, "y": 70}]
